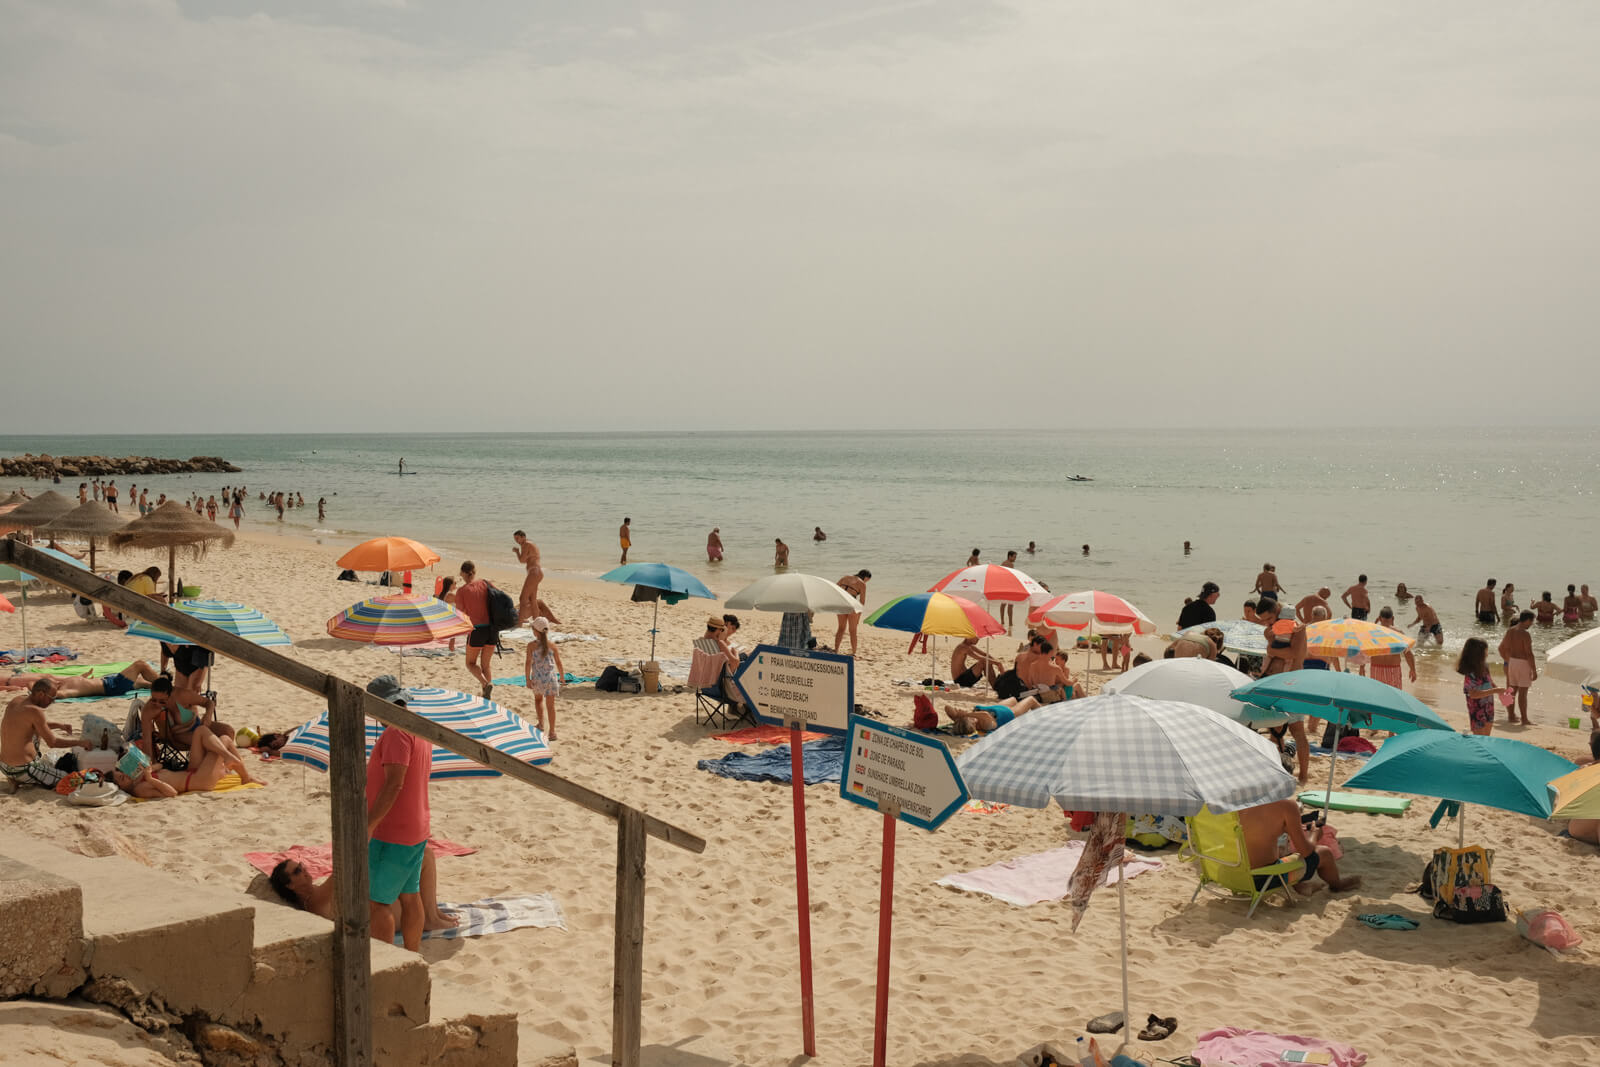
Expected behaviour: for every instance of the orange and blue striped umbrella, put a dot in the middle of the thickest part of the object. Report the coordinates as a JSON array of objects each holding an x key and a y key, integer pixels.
[
  {"x": 1348, "y": 638},
  {"x": 401, "y": 619},
  {"x": 936, "y": 613}
]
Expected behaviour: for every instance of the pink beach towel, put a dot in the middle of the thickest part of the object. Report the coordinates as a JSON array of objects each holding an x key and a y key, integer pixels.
[
  {"x": 1035, "y": 879},
  {"x": 1252, "y": 1048},
  {"x": 318, "y": 859}
]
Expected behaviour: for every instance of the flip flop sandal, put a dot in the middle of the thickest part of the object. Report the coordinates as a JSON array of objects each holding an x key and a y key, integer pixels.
[
  {"x": 1157, "y": 1028},
  {"x": 1109, "y": 1023},
  {"x": 1388, "y": 922}
]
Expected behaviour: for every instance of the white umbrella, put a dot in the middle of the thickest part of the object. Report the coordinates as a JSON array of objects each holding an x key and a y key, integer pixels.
[
  {"x": 795, "y": 593},
  {"x": 1194, "y": 680},
  {"x": 1575, "y": 660}
]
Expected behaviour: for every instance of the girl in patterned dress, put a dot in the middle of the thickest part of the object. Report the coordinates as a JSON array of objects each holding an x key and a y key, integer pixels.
[{"x": 543, "y": 671}]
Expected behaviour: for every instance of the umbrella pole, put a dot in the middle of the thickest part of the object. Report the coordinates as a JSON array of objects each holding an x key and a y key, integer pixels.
[
  {"x": 1333, "y": 760},
  {"x": 91, "y": 552},
  {"x": 654, "y": 618},
  {"x": 1122, "y": 919},
  {"x": 1461, "y": 828},
  {"x": 24, "y": 624},
  {"x": 172, "y": 574}
]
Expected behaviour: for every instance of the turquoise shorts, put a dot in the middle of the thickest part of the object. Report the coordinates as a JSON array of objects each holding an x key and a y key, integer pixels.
[{"x": 393, "y": 870}]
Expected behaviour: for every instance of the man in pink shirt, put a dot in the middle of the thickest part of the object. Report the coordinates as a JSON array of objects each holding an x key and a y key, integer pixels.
[{"x": 397, "y": 823}]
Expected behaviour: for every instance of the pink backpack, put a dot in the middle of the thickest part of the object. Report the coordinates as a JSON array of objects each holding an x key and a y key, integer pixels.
[{"x": 1549, "y": 930}]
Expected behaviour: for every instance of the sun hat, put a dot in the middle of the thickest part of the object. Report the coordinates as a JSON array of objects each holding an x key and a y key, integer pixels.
[
  {"x": 541, "y": 624},
  {"x": 388, "y": 687},
  {"x": 714, "y": 622},
  {"x": 96, "y": 795}
]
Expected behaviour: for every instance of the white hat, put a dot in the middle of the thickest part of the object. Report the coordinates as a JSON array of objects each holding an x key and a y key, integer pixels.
[
  {"x": 96, "y": 795},
  {"x": 541, "y": 623}
]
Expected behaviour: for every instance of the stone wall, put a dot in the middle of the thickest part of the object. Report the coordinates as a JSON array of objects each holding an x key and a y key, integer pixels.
[{"x": 48, "y": 466}]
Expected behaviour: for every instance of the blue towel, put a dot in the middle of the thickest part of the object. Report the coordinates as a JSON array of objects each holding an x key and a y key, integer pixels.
[
  {"x": 566, "y": 679},
  {"x": 823, "y": 762}
]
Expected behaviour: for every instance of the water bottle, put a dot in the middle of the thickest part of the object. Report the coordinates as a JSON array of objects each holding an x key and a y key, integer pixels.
[{"x": 1084, "y": 1059}]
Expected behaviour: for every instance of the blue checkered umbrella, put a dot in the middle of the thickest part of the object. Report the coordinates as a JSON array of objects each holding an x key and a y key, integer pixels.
[
  {"x": 1115, "y": 752},
  {"x": 1248, "y": 638},
  {"x": 484, "y": 720}
]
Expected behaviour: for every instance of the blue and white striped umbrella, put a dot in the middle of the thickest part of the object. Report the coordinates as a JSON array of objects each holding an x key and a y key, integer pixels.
[
  {"x": 236, "y": 619},
  {"x": 1115, "y": 752},
  {"x": 484, "y": 720}
]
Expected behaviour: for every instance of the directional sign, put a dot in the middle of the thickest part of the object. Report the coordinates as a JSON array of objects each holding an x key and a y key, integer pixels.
[
  {"x": 887, "y": 768},
  {"x": 785, "y": 686}
]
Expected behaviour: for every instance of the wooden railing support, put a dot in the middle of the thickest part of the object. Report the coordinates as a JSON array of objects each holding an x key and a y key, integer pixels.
[
  {"x": 352, "y": 940},
  {"x": 627, "y": 989}
]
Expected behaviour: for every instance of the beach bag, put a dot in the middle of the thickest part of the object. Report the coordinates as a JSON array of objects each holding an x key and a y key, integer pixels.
[
  {"x": 1457, "y": 881},
  {"x": 607, "y": 682},
  {"x": 1548, "y": 929},
  {"x": 1008, "y": 685},
  {"x": 502, "y": 609},
  {"x": 347, "y": 576},
  {"x": 630, "y": 682}
]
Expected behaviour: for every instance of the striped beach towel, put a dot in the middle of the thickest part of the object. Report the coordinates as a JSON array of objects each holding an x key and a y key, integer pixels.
[{"x": 496, "y": 915}]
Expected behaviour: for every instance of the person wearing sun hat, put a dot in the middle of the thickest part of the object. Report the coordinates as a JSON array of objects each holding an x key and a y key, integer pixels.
[
  {"x": 717, "y": 630},
  {"x": 397, "y": 823}
]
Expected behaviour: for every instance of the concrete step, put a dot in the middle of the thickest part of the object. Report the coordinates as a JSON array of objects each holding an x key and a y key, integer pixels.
[
  {"x": 41, "y": 927},
  {"x": 466, "y": 1030}
]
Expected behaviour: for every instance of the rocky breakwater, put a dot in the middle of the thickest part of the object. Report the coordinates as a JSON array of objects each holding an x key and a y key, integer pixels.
[{"x": 48, "y": 466}]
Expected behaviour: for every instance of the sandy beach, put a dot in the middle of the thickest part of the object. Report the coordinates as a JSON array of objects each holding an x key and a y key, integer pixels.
[{"x": 975, "y": 981}]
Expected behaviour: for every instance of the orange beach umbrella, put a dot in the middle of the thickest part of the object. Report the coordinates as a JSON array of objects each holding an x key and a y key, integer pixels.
[{"x": 389, "y": 554}]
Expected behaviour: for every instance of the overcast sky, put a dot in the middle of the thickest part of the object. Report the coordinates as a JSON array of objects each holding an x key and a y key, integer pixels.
[{"x": 523, "y": 215}]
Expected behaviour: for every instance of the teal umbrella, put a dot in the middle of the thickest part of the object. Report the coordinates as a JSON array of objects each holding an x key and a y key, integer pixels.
[
  {"x": 1341, "y": 698},
  {"x": 657, "y": 582},
  {"x": 9, "y": 573},
  {"x": 1497, "y": 772}
]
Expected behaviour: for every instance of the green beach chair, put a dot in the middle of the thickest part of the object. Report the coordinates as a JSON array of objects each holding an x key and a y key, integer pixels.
[{"x": 1216, "y": 844}]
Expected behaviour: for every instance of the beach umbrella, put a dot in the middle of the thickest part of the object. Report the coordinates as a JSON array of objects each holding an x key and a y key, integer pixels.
[
  {"x": 1192, "y": 680},
  {"x": 225, "y": 615},
  {"x": 1237, "y": 635},
  {"x": 483, "y": 720},
  {"x": 1496, "y": 772},
  {"x": 388, "y": 554},
  {"x": 90, "y": 519},
  {"x": 1576, "y": 795},
  {"x": 1092, "y": 611},
  {"x": 9, "y": 573},
  {"x": 1349, "y": 638},
  {"x": 1115, "y": 753},
  {"x": 935, "y": 614},
  {"x": 1343, "y": 699},
  {"x": 38, "y": 511},
  {"x": 790, "y": 592},
  {"x": 172, "y": 526},
  {"x": 1575, "y": 660},
  {"x": 990, "y": 581},
  {"x": 6, "y": 606},
  {"x": 400, "y": 619},
  {"x": 656, "y": 582}
]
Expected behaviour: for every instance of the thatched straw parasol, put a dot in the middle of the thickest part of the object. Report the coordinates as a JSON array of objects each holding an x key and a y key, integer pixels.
[
  {"x": 90, "y": 519},
  {"x": 14, "y": 499},
  {"x": 38, "y": 511},
  {"x": 172, "y": 526}
]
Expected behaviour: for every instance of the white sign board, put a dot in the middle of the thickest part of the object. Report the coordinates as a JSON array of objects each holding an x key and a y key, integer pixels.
[
  {"x": 785, "y": 686},
  {"x": 887, "y": 768}
]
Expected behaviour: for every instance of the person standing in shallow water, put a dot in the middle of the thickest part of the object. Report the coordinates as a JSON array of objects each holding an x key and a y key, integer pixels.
[
  {"x": 714, "y": 545},
  {"x": 625, "y": 536}
]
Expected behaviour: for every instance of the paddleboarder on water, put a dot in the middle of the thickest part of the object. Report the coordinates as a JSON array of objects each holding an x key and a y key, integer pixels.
[{"x": 402, "y": 464}]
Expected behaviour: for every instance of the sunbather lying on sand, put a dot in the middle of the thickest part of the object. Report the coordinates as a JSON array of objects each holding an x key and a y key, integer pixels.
[
  {"x": 155, "y": 781},
  {"x": 136, "y": 675},
  {"x": 985, "y": 718},
  {"x": 294, "y": 885},
  {"x": 1263, "y": 824}
]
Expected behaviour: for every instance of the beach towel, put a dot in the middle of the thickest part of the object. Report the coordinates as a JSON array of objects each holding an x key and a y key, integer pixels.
[
  {"x": 228, "y": 783},
  {"x": 566, "y": 679},
  {"x": 763, "y": 735},
  {"x": 495, "y": 915},
  {"x": 81, "y": 670},
  {"x": 318, "y": 859},
  {"x": 40, "y": 654},
  {"x": 982, "y": 807},
  {"x": 674, "y": 667},
  {"x": 823, "y": 761},
  {"x": 525, "y": 635},
  {"x": 1253, "y": 1048},
  {"x": 1037, "y": 878},
  {"x": 431, "y": 650}
]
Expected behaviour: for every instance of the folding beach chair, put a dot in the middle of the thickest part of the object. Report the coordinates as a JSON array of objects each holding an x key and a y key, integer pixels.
[
  {"x": 1216, "y": 843},
  {"x": 715, "y": 700}
]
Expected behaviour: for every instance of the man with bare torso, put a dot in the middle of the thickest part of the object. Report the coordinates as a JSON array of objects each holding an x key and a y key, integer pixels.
[
  {"x": 1428, "y": 619},
  {"x": 1267, "y": 583},
  {"x": 625, "y": 536},
  {"x": 780, "y": 553},
  {"x": 1310, "y": 602},
  {"x": 982, "y": 665},
  {"x": 1586, "y": 603},
  {"x": 25, "y": 737},
  {"x": 856, "y": 585},
  {"x": 1484, "y": 604},
  {"x": 1516, "y": 649},
  {"x": 1265, "y": 824},
  {"x": 528, "y": 555},
  {"x": 1386, "y": 668},
  {"x": 1356, "y": 599}
]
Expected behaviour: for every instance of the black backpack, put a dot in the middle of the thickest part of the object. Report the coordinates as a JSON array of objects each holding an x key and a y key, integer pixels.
[
  {"x": 502, "y": 609},
  {"x": 607, "y": 682}
]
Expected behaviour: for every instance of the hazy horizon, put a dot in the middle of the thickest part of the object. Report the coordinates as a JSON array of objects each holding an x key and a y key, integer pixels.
[{"x": 252, "y": 216}]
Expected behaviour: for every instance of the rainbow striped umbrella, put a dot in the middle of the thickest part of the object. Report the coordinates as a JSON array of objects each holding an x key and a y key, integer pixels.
[
  {"x": 1349, "y": 638},
  {"x": 483, "y": 720},
  {"x": 401, "y": 619},
  {"x": 936, "y": 613},
  {"x": 236, "y": 619},
  {"x": 990, "y": 581}
]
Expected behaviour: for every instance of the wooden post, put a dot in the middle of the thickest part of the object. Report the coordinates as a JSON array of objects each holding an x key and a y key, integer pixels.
[
  {"x": 627, "y": 996},
  {"x": 352, "y": 945},
  {"x": 802, "y": 889}
]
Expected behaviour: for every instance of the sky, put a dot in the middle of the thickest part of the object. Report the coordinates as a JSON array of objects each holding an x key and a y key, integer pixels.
[{"x": 516, "y": 215}]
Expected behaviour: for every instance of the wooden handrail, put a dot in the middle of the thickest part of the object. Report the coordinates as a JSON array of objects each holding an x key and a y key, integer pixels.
[{"x": 348, "y": 706}]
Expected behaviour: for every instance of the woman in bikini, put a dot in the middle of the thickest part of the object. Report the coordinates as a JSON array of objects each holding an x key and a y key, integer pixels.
[
  {"x": 154, "y": 781},
  {"x": 1508, "y": 604},
  {"x": 185, "y": 718},
  {"x": 295, "y": 885},
  {"x": 1571, "y": 606}
]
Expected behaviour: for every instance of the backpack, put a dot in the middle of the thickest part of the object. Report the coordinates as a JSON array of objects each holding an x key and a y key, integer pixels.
[
  {"x": 502, "y": 609},
  {"x": 607, "y": 682}
]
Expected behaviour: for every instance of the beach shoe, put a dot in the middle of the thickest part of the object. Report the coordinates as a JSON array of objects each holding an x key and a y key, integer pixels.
[
  {"x": 1157, "y": 1028},
  {"x": 1109, "y": 1023}
]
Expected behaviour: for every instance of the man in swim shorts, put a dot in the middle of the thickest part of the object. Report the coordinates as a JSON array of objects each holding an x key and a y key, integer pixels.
[
  {"x": 1264, "y": 824},
  {"x": 1386, "y": 668},
  {"x": 137, "y": 675},
  {"x": 1356, "y": 599},
  {"x": 25, "y": 737},
  {"x": 1267, "y": 586},
  {"x": 1428, "y": 619},
  {"x": 1484, "y": 604},
  {"x": 1516, "y": 649},
  {"x": 397, "y": 823},
  {"x": 625, "y": 535},
  {"x": 970, "y": 665}
]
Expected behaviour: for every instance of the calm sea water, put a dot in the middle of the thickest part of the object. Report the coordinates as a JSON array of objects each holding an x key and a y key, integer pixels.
[{"x": 1439, "y": 510}]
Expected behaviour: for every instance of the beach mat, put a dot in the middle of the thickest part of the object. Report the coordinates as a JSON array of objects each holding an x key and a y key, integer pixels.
[
  {"x": 318, "y": 859},
  {"x": 81, "y": 670},
  {"x": 1253, "y": 1048},
  {"x": 229, "y": 783},
  {"x": 823, "y": 761},
  {"x": 39, "y": 654},
  {"x": 566, "y": 679},
  {"x": 1037, "y": 878},
  {"x": 1362, "y": 802},
  {"x": 764, "y": 735},
  {"x": 496, "y": 915}
]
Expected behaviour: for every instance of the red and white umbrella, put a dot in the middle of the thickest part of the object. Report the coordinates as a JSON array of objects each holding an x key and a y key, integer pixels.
[
  {"x": 1094, "y": 610},
  {"x": 990, "y": 581}
]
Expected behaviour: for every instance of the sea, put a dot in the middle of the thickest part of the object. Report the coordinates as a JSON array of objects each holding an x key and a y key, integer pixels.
[{"x": 1438, "y": 509}]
